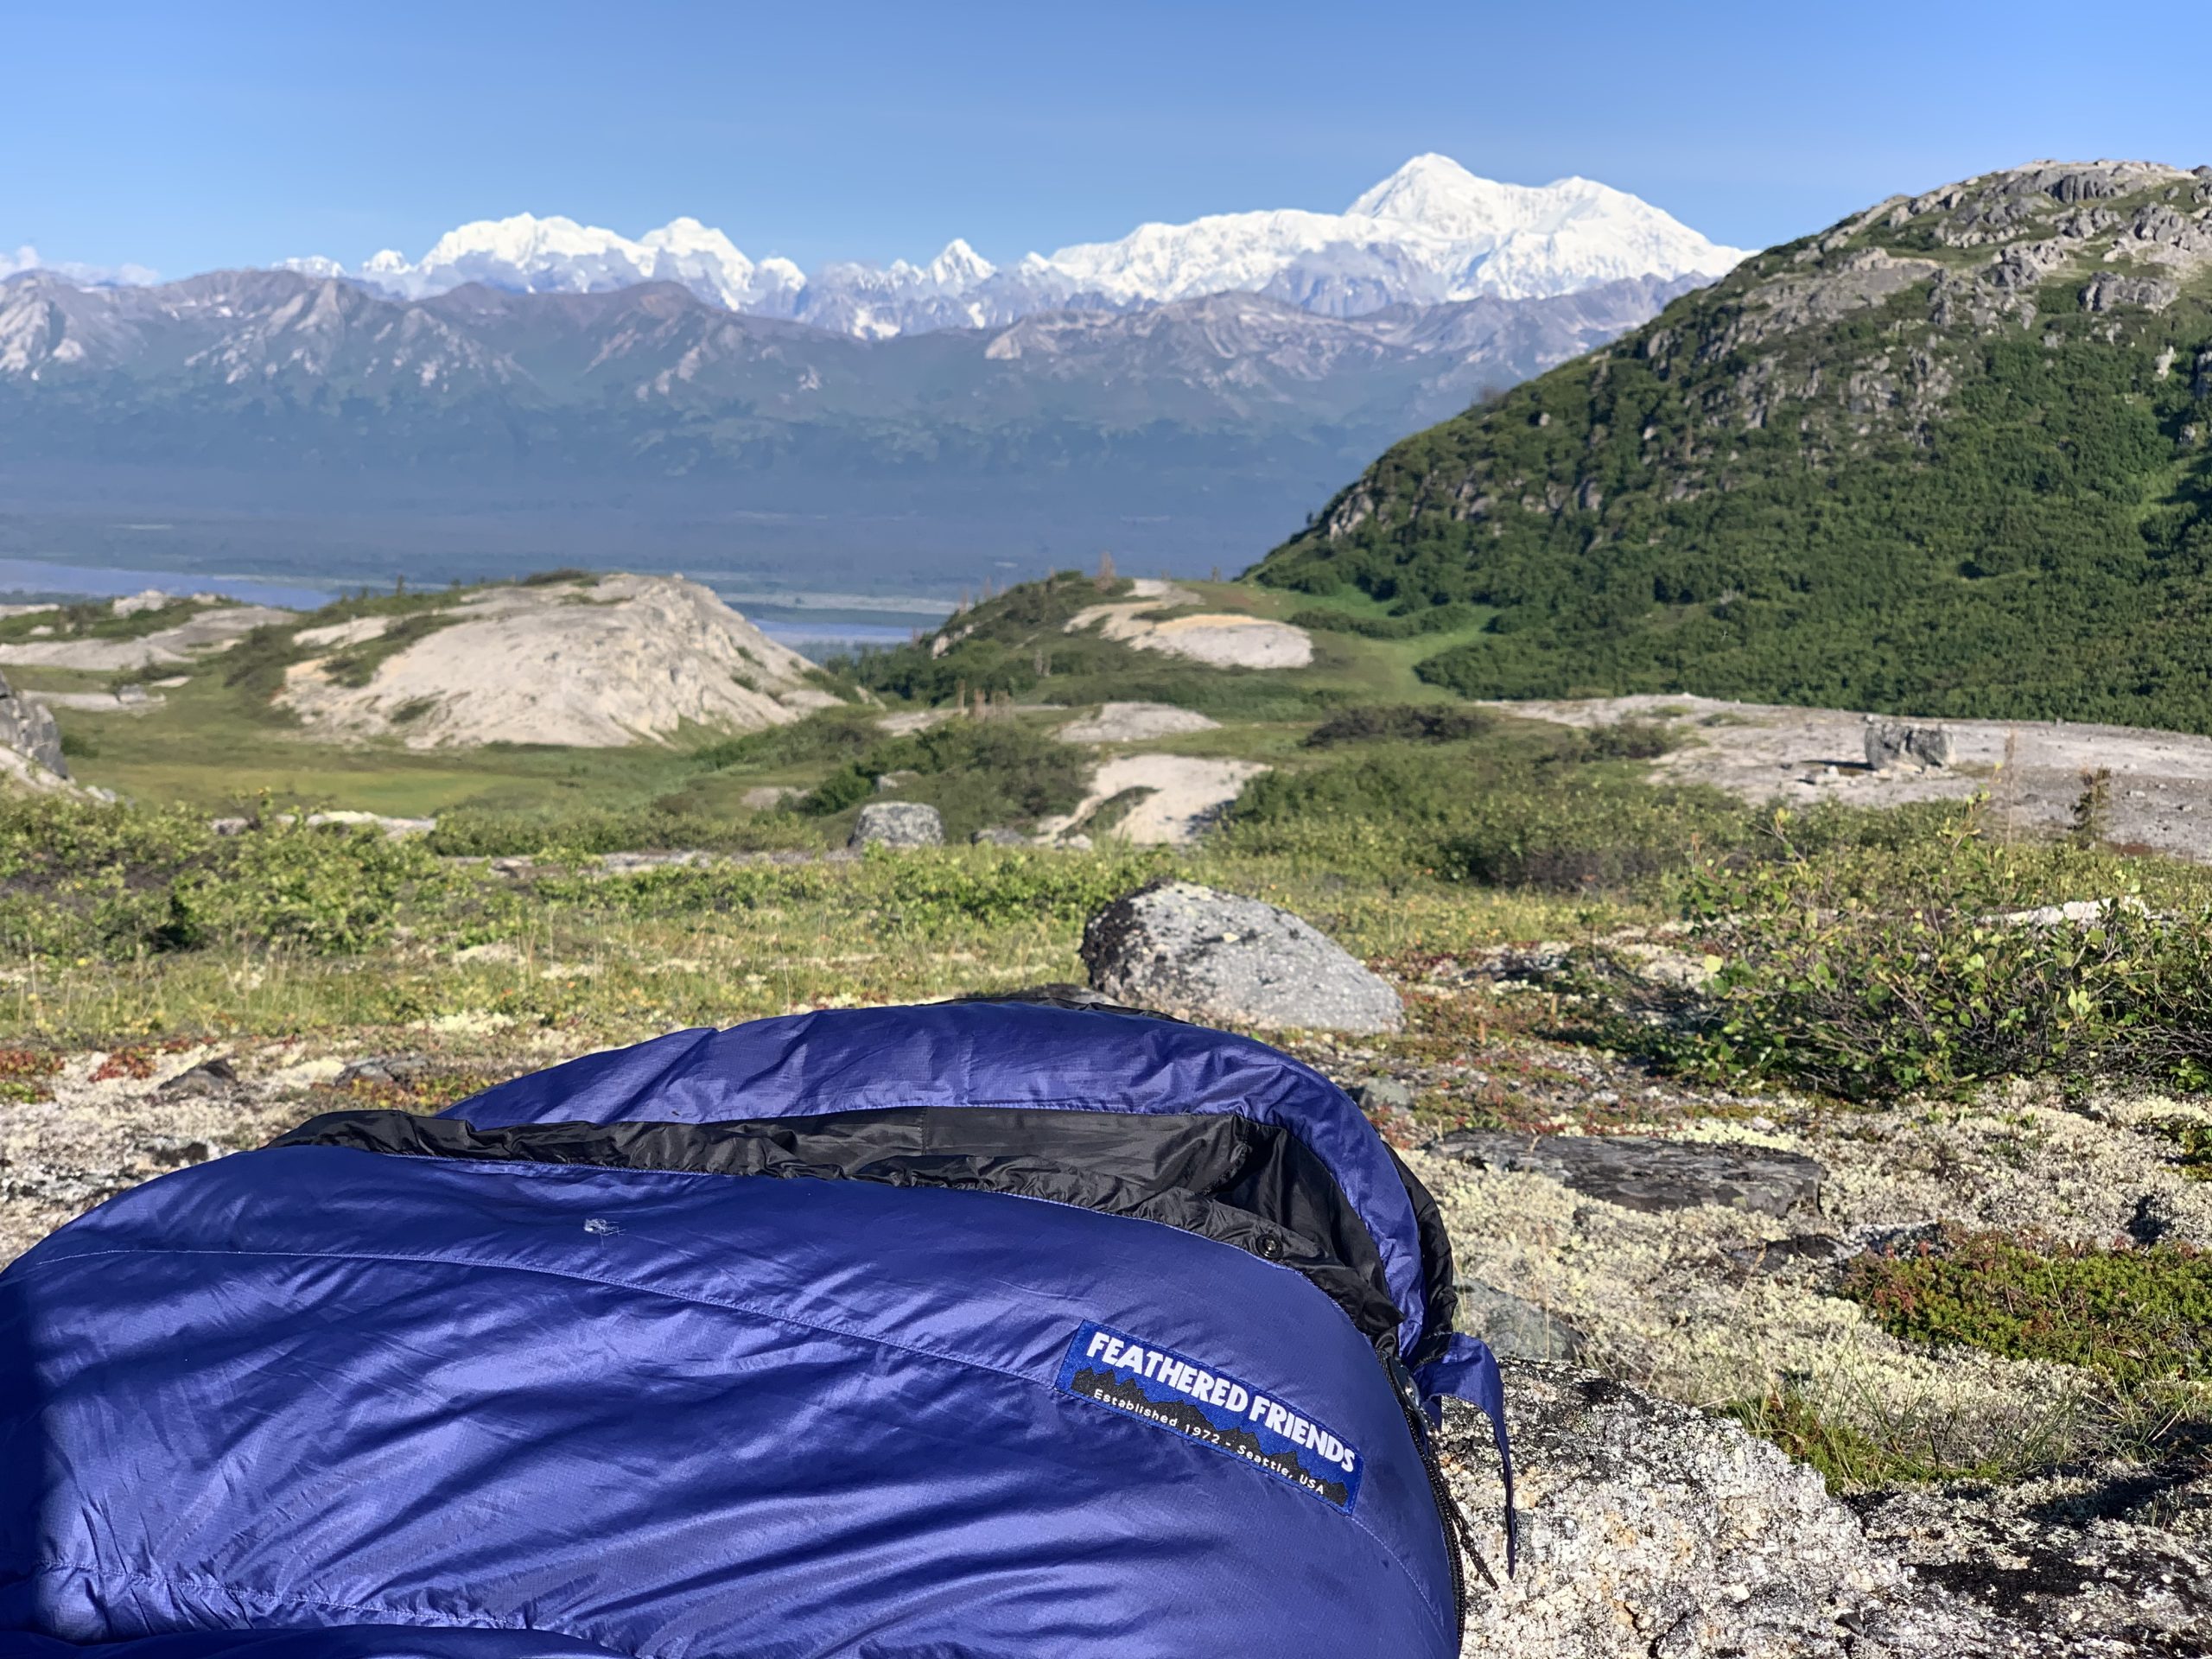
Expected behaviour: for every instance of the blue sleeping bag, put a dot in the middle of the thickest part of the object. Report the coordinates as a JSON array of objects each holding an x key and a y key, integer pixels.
[{"x": 975, "y": 1331}]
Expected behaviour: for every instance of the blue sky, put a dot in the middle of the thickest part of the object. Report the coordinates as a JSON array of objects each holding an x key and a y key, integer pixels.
[{"x": 189, "y": 137}]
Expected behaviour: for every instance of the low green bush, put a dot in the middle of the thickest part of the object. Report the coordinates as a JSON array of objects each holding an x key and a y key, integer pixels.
[
  {"x": 1440, "y": 618},
  {"x": 976, "y": 772},
  {"x": 1400, "y": 722},
  {"x": 1884, "y": 961},
  {"x": 954, "y": 888},
  {"x": 476, "y": 832},
  {"x": 2135, "y": 1316},
  {"x": 1519, "y": 807},
  {"x": 1629, "y": 740},
  {"x": 81, "y": 880}
]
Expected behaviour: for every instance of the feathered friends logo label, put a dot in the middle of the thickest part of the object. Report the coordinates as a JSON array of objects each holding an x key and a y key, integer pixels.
[{"x": 1212, "y": 1407}]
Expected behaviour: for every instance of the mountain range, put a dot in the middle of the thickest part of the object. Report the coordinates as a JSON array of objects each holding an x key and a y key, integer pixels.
[
  {"x": 1951, "y": 454},
  {"x": 1431, "y": 233},
  {"x": 533, "y": 392}
]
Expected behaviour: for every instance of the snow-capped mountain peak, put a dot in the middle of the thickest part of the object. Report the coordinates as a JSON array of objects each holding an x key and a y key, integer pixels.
[
  {"x": 1437, "y": 194},
  {"x": 1431, "y": 233},
  {"x": 960, "y": 268}
]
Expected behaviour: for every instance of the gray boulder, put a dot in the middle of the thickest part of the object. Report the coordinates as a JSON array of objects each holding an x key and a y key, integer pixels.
[
  {"x": 2109, "y": 291},
  {"x": 1889, "y": 746},
  {"x": 384, "y": 1068},
  {"x": 1189, "y": 949},
  {"x": 1652, "y": 1528},
  {"x": 998, "y": 836},
  {"x": 28, "y": 728},
  {"x": 215, "y": 1076},
  {"x": 1638, "y": 1173},
  {"x": 1516, "y": 1329},
  {"x": 897, "y": 823}
]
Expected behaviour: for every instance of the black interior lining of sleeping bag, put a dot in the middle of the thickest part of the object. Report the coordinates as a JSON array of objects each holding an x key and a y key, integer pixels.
[
  {"x": 1439, "y": 1279},
  {"x": 1233, "y": 1179}
]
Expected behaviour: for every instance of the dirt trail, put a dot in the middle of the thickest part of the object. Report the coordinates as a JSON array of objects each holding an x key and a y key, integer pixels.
[
  {"x": 1188, "y": 795},
  {"x": 2161, "y": 790}
]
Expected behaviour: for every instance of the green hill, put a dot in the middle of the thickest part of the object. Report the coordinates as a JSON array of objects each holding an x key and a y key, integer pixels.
[{"x": 1952, "y": 455}]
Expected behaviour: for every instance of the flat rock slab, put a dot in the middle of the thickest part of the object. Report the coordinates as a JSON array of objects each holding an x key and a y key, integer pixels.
[
  {"x": 1212, "y": 956},
  {"x": 2161, "y": 782},
  {"x": 1133, "y": 722},
  {"x": 1640, "y": 1173}
]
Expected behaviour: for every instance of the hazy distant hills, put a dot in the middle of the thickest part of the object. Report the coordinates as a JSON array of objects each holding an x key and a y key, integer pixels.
[
  {"x": 1187, "y": 431},
  {"x": 1431, "y": 233},
  {"x": 1953, "y": 455}
]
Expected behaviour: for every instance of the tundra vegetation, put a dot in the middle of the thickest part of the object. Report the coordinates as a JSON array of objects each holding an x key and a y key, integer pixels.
[{"x": 1694, "y": 958}]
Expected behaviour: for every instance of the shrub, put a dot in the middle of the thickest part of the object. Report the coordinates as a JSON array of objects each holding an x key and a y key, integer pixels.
[
  {"x": 2133, "y": 1315},
  {"x": 1440, "y": 618},
  {"x": 976, "y": 772},
  {"x": 81, "y": 880},
  {"x": 1629, "y": 740},
  {"x": 1566, "y": 839},
  {"x": 1400, "y": 722},
  {"x": 1867, "y": 970},
  {"x": 327, "y": 890},
  {"x": 476, "y": 832}
]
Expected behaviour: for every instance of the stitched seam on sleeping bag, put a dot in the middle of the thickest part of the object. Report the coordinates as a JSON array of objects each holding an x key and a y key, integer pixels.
[
  {"x": 199, "y": 1585},
  {"x": 1395, "y": 1559}
]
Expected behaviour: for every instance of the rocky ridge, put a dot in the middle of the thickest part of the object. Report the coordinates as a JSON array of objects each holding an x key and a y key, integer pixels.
[
  {"x": 2001, "y": 385},
  {"x": 2028, "y": 219},
  {"x": 30, "y": 743},
  {"x": 592, "y": 663}
]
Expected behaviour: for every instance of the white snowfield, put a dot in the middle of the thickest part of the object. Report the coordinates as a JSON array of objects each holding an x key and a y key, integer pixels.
[
  {"x": 593, "y": 663},
  {"x": 1431, "y": 233}
]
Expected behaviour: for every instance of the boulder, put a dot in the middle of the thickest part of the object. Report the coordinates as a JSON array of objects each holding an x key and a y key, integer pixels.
[
  {"x": 766, "y": 798},
  {"x": 2109, "y": 291},
  {"x": 1212, "y": 956},
  {"x": 1638, "y": 1173},
  {"x": 28, "y": 728},
  {"x": 1649, "y": 1528},
  {"x": 215, "y": 1076},
  {"x": 1516, "y": 1329},
  {"x": 1380, "y": 1095},
  {"x": 383, "y": 1068},
  {"x": 998, "y": 836},
  {"x": 1889, "y": 746},
  {"x": 897, "y": 824},
  {"x": 1389, "y": 1105}
]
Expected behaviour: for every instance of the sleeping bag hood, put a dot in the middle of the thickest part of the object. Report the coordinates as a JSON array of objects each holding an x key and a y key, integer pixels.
[{"x": 973, "y": 1331}]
